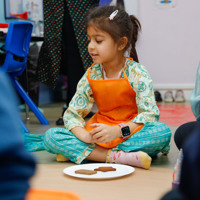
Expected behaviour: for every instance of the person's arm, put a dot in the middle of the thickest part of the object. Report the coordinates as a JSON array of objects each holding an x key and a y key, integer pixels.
[
  {"x": 141, "y": 83},
  {"x": 82, "y": 134},
  {"x": 104, "y": 133},
  {"x": 80, "y": 105}
]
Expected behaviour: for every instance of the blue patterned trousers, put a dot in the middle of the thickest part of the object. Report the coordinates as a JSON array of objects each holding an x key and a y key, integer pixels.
[{"x": 153, "y": 138}]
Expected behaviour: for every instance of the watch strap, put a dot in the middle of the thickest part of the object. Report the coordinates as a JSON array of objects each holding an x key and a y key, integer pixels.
[{"x": 121, "y": 125}]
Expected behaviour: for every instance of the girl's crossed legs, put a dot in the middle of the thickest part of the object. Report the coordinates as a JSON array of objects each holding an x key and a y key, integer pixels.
[{"x": 152, "y": 139}]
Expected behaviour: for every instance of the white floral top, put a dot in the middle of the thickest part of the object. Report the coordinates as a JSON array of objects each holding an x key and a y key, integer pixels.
[{"x": 139, "y": 79}]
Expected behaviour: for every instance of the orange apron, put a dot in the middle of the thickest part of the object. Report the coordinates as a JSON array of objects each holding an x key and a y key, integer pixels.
[{"x": 116, "y": 101}]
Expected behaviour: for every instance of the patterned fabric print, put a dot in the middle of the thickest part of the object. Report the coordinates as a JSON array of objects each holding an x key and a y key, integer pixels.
[
  {"x": 78, "y": 11},
  {"x": 33, "y": 142},
  {"x": 49, "y": 61},
  {"x": 74, "y": 115},
  {"x": 152, "y": 139},
  {"x": 141, "y": 83},
  {"x": 61, "y": 141}
]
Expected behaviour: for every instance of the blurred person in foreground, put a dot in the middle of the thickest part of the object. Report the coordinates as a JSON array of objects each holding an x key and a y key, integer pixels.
[
  {"x": 188, "y": 189},
  {"x": 17, "y": 165}
]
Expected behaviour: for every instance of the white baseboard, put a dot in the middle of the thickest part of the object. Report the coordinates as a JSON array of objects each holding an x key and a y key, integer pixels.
[
  {"x": 174, "y": 86},
  {"x": 187, "y": 89}
]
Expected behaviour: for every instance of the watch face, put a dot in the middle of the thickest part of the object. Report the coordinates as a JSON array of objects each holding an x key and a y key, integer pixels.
[{"x": 125, "y": 131}]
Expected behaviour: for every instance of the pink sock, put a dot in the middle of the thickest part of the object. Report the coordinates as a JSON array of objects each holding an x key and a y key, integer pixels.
[{"x": 137, "y": 159}]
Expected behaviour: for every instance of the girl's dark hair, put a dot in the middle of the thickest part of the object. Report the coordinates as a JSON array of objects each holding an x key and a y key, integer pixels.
[{"x": 122, "y": 25}]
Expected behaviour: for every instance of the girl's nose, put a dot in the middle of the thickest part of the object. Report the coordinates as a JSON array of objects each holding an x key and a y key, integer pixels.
[{"x": 91, "y": 45}]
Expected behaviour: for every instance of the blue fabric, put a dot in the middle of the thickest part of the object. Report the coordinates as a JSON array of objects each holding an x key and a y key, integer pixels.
[
  {"x": 17, "y": 165},
  {"x": 190, "y": 171},
  {"x": 104, "y": 2},
  {"x": 195, "y": 97},
  {"x": 62, "y": 141},
  {"x": 152, "y": 139},
  {"x": 34, "y": 142}
]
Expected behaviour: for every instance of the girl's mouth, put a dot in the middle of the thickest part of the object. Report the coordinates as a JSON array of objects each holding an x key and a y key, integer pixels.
[{"x": 94, "y": 55}]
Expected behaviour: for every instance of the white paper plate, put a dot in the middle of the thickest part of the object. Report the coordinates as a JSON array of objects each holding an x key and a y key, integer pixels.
[{"x": 121, "y": 170}]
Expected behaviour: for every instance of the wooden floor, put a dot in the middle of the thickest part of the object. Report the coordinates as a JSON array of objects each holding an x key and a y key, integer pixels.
[{"x": 142, "y": 184}]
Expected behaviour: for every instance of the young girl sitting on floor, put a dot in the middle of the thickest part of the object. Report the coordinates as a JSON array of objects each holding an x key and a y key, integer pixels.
[{"x": 125, "y": 128}]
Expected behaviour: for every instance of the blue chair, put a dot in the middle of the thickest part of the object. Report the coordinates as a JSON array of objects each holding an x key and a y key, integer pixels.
[{"x": 17, "y": 47}]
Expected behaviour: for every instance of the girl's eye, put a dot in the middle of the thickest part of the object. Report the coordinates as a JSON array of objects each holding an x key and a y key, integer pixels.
[{"x": 98, "y": 41}]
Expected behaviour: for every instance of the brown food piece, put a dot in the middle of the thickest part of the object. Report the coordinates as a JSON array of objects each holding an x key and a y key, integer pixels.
[
  {"x": 85, "y": 171},
  {"x": 105, "y": 169}
]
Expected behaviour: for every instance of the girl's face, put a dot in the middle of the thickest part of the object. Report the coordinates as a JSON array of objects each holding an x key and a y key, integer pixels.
[{"x": 102, "y": 48}]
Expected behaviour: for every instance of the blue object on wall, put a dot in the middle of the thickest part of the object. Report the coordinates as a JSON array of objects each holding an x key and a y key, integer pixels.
[
  {"x": 2, "y": 14},
  {"x": 104, "y": 2},
  {"x": 2, "y": 17}
]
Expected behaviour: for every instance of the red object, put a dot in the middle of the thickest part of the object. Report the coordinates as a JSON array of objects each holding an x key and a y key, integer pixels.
[
  {"x": 175, "y": 114},
  {"x": 21, "y": 16},
  {"x": 3, "y": 25}
]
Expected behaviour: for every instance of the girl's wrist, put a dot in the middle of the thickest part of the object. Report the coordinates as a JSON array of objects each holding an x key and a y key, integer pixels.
[
  {"x": 118, "y": 131},
  {"x": 80, "y": 133}
]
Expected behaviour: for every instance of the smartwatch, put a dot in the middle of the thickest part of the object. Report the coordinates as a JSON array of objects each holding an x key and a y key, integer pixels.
[{"x": 125, "y": 130}]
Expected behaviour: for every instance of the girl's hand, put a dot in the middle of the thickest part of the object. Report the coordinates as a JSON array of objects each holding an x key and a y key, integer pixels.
[
  {"x": 82, "y": 134},
  {"x": 104, "y": 133},
  {"x": 88, "y": 138}
]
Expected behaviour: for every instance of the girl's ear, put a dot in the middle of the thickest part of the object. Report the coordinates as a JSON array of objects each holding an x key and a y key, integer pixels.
[{"x": 122, "y": 43}]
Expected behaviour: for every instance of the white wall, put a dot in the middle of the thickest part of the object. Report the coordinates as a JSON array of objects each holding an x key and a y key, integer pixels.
[
  {"x": 169, "y": 45},
  {"x": 131, "y": 7}
]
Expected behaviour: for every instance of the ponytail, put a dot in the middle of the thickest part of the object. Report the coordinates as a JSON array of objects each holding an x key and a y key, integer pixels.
[
  {"x": 120, "y": 3},
  {"x": 136, "y": 29}
]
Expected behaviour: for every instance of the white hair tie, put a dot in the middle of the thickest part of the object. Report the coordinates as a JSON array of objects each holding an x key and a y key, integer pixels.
[{"x": 113, "y": 14}]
